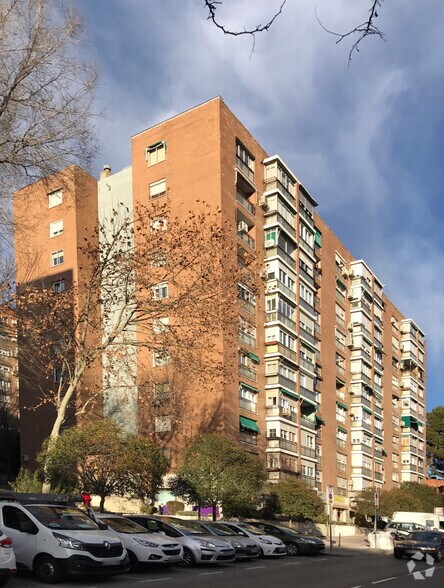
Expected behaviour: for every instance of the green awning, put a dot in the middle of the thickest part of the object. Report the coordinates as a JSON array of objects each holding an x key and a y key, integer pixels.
[
  {"x": 340, "y": 380},
  {"x": 420, "y": 424},
  {"x": 320, "y": 420},
  {"x": 252, "y": 388},
  {"x": 342, "y": 429},
  {"x": 290, "y": 394},
  {"x": 318, "y": 238},
  {"x": 248, "y": 424},
  {"x": 406, "y": 421},
  {"x": 252, "y": 356},
  {"x": 344, "y": 406},
  {"x": 368, "y": 410},
  {"x": 342, "y": 283},
  {"x": 312, "y": 402},
  {"x": 156, "y": 144}
]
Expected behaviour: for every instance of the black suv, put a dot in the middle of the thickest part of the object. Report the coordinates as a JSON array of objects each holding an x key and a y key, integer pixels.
[{"x": 296, "y": 543}]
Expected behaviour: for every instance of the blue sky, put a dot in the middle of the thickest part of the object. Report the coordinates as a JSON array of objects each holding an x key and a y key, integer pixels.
[{"x": 366, "y": 140}]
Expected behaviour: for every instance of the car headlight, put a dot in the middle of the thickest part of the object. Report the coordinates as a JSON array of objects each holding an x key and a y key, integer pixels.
[
  {"x": 146, "y": 543},
  {"x": 69, "y": 542},
  {"x": 265, "y": 541},
  {"x": 203, "y": 543},
  {"x": 310, "y": 541},
  {"x": 236, "y": 544}
]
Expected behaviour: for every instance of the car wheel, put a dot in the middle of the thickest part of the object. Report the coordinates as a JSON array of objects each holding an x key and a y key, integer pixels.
[
  {"x": 397, "y": 555},
  {"x": 261, "y": 552},
  {"x": 134, "y": 564},
  {"x": 438, "y": 556},
  {"x": 188, "y": 558},
  {"x": 293, "y": 549},
  {"x": 48, "y": 569}
]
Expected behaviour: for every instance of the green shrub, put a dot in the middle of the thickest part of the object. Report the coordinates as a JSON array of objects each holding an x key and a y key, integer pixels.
[{"x": 174, "y": 506}]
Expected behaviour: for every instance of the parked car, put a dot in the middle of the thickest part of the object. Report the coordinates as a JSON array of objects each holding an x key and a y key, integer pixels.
[
  {"x": 400, "y": 530},
  {"x": 199, "y": 546},
  {"x": 143, "y": 548},
  {"x": 7, "y": 559},
  {"x": 424, "y": 542},
  {"x": 55, "y": 539},
  {"x": 267, "y": 544},
  {"x": 296, "y": 543},
  {"x": 245, "y": 548}
]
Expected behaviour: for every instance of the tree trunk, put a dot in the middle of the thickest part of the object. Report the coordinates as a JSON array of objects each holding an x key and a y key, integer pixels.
[
  {"x": 214, "y": 505},
  {"x": 102, "y": 504}
]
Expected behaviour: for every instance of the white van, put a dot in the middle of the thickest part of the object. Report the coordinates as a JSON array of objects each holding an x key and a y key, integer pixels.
[
  {"x": 428, "y": 520},
  {"x": 55, "y": 539}
]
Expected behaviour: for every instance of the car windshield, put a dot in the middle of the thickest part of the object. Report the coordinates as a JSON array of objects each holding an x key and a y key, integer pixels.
[
  {"x": 187, "y": 527},
  {"x": 424, "y": 536},
  {"x": 251, "y": 529},
  {"x": 62, "y": 517},
  {"x": 285, "y": 530},
  {"x": 123, "y": 525},
  {"x": 221, "y": 530}
]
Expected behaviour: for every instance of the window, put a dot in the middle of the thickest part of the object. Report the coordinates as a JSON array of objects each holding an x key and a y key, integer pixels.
[
  {"x": 156, "y": 153},
  {"x": 160, "y": 291},
  {"x": 57, "y": 258},
  {"x": 57, "y": 376},
  {"x": 160, "y": 358},
  {"x": 244, "y": 160},
  {"x": 55, "y": 198},
  {"x": 59, "y": 286},
  {"x": 56, "y": 228},
  {"x": 158, "y": 189},
  {"x": 162, "y": 424}
]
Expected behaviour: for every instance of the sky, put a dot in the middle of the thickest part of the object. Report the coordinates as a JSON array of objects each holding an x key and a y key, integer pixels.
[{"x": 366, "y": 138}]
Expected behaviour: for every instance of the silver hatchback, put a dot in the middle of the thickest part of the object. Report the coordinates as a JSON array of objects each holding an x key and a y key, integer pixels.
[{"x": 199, "y": 546}]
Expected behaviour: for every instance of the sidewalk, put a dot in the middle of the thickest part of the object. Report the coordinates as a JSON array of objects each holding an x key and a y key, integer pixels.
[{"x": 352, "y": 546}]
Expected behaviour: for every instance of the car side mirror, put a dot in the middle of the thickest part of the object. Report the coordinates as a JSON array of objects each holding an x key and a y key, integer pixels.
[{"x": 102, "y": 526}]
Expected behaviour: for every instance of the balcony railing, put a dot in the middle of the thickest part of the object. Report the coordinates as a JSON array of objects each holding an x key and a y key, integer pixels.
[
  {"x": 279, "y": 443},
  {"x": 279, "y": 411},
  {"x": 247, "y": 239},
  {"x": 246, "y": 372},
  {"x": 278, "y": 316},
  {"x": 246, "y": 204},
  {"x": 307, "y": 336},
  {"x": 340, "y": 369},
  {"x": 246, "y": 438},
  {"x": 279, "y": 379},
  {"x": 361, "y": 424},
  {"x": 341, "y": 466},
  {"x": 308, "y": 452},
  {"x": 273, "y": 285},
  {"x": 247, "y": 404},
  {"x": 275, "y": 347},
  {"x": 341, "y": 443},
  {"x": 362, "y": 471},
  {"x": 362, "y": 447},
  {"x": 309, "y": 365},
  {"x": 308, "y": 394},
  {"x": 378, "y": 476},
  {"x": 304, "y": 304},
  {"x": 275, "y": 184},
  {"x": 361, "y": 400},
  {"x": 306, "y": 276},
  {"x": 246, "y": 305},
  {"x": 244, "y": 168},
  {"x": 307, "y": 423},
  {"x": 247, "y": 339},
  {"x": 310, "y": 480}
]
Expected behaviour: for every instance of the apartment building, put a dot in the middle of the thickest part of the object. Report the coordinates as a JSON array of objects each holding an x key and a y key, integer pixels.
[{"x": 328, "y": 381}]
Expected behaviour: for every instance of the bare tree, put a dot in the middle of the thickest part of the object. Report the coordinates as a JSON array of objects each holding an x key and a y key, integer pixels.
[
  {"x": 152, "y": 290},
  {"x": 46, "y": 93},
  {"x": 361, "y": 31}
]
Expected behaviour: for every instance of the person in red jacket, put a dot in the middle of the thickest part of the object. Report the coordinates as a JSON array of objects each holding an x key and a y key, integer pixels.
[{"x": 86, "y": 498}]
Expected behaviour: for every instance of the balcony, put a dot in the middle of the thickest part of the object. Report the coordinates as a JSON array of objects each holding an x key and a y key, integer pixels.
[
  {"x": 378, "y": 452},
  {"x": 247, "y": 372},
  {"x": 247, "y": 306},
  {"x": 308, "y": 365},
  {"x": 279, "y": 411},
  {"x": 310, "y": 480},
  {"x": 341, "y": 491},
  {"x": 304, "y": 304},
  {"x": 340, "y": 296},
  {"x": 359, "y": 281},
  {"x": 273, "y": 285},
  {"x": 362, "y": 471},
  {"x": 272, "y": 347},
  {"x": 307, "y": 336},
  {"x": 308, "y": 452},
  {"x": 246, "y": 203},
  {"x": 363, "y": 447},
  {"x": 306, "y": 247},
  {"x": 247, "y": 239},
  {"x": 378, "y": 476},
  {"x": 361, "y": 400},
  {"x": 377, "y": 410},
  {"x": 309, "y": 394},
  {"x": 303, "y": 213},
  {"x": 247, "y": 404},
  {"x": 307, "y": 277},
  {"x": 359, "y": 424},
  {"x": 279, "y": 252},
  {"x": 278, "y": 316},
  {"x": 341, "y": 466},
  {"x": 340, "y": 320},
  {"x": 304, "y": 422},
  {"x": 247, "y": 438},
  {"x": 247, "y": 339},
  {"x": 274, "y": 184},
  {"x": 280, "y": 380},
  {"x": 279, "y": 443},
  {"x": 363, "y": 377},
  {"x": 244, "y": 168},
  {"x": 340, "y": 369}
]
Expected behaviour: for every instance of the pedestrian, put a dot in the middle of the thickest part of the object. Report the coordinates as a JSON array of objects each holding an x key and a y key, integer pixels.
[{"x": 86, "y": 497}]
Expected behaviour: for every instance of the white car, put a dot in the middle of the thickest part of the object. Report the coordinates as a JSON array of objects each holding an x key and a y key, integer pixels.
[
  {"x": 268, "y": 544},
  {"x": 144, "y": 548},
  {"x": 7, "y": 559}
]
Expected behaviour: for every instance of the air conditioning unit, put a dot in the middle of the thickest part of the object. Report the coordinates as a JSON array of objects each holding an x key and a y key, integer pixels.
[
  {"x": 344, "y": 272},
  {"x": 350, "y": 326},
  {"x": 263, "y": 203},
  {"x": 319, "y": 266},
  {"x": 269, "y": 243},
  {"x": 242, "y": 227},
  {"x": 349, "y": 341}
]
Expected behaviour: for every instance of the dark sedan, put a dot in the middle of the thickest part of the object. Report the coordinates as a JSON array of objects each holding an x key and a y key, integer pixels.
[
  {"x": 296, "y": 543},
  {"x": 422, "y": 542}
]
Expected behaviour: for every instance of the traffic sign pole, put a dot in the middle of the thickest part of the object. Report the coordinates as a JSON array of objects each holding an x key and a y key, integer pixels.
[{"x": 329, "y": 496}]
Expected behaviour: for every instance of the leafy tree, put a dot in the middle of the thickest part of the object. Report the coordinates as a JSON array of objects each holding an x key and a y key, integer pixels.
[
  {"x": 46, "y": 92},
  {"x": 145, "y": 466},
  {"x": 425, "y": 495},
  {"x": 435, "y": 439},
  {"x": 27, "y": 481},
  {"x": 216, "y": 471},
  {"x": 297, "y": 499}
]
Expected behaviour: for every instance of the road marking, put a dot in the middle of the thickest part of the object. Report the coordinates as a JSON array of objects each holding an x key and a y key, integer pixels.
[
  {"x": 385, "y": 580},
  {"x": 255, "y": 568},
  {"x": 292, "y": 563},
  {"x": 153, "y": 580},
  {"x": 321, "y": 559},
  {"x": 360, "y": 586},
  {"x": 210, "y": 573}
]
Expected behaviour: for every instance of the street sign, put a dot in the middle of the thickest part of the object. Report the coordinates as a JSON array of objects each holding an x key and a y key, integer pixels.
[
  {"x": 329, "y": 493},
  {"x": 376, "y": 499}
]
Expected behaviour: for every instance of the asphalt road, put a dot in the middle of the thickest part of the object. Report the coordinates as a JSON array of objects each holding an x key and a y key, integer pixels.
[{"x": 358, "y": 571}]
